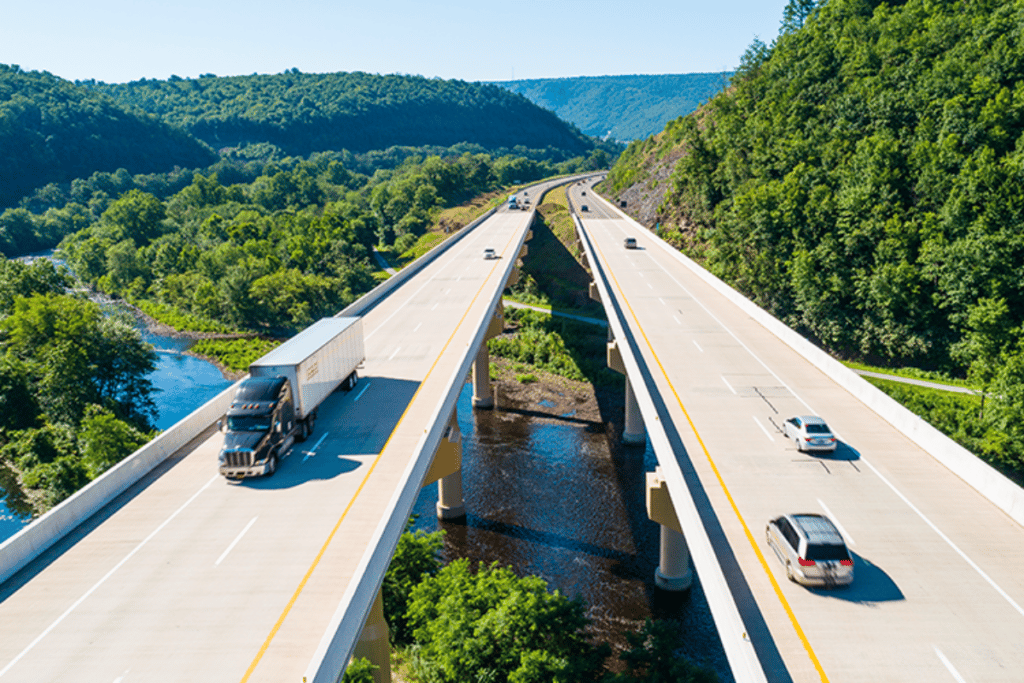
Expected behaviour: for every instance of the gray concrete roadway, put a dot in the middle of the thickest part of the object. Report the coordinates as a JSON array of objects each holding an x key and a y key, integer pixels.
[
  {"x": 938, "y": 587},
  {"x": 191, "y": 577}
]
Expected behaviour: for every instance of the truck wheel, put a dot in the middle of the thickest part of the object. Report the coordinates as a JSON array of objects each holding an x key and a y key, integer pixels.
[
  {"x": 273, "y": 465},
  {"x": 303, "y": 430}
]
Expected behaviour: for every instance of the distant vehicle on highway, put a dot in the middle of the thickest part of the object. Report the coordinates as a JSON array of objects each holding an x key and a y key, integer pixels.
[
  {"x": 513, "y": 204},
  {"x": 811, "y": 548},
  {"x": 584, "y": 193},
  {"x": 583, "y": 207},
  {"x": 489, "y": 254},
  {"x": 809, "y": 433},
  {"x": 629, "y": 243}
]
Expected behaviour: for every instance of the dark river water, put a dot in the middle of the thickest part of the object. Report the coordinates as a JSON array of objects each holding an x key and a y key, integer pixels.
[
  {"x": 564, "y": 500},
  {"x": 556, "y": 497}
]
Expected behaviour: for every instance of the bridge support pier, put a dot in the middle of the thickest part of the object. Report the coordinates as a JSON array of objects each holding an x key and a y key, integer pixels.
[
  {"x": 673, "y": 572},
  {"x": 373, "y": 642},
  {"x": 446, "y": 470},
  {"x": 633, "y": 424},
  {"x": 483, "y": 393}
]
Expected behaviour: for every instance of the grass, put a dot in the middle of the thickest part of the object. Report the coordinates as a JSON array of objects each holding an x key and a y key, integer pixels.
[
  {"x": 183, "y": 322},
  {"x": 234, "y": 354}
]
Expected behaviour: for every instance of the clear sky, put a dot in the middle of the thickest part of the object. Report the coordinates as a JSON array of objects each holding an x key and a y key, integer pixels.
[{"x": 124, "y": 40}]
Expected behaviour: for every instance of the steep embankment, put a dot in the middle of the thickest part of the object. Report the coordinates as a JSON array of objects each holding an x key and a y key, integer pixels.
[{"x": 861, "y": 179}]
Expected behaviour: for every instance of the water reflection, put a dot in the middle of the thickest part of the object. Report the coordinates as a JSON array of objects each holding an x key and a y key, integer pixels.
[{"x": 560, "y": 498}]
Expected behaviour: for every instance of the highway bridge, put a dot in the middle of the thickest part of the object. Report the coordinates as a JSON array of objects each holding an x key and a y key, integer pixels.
[
  {"x": 938, "y": 590},
  {"x": 183, "y": 575}
]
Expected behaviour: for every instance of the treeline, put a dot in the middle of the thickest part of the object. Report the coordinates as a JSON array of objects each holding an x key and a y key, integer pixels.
[
  {"x": 52, "y": 130},
  {"x": 74, "y": 392},
  {"x": 860, "y": 179},
  {"x": 305, "y": 113},
  {"x": 621, "y": 107},
  {"x": 276, "y": 253},
  {"x": 456, "y": 623}
]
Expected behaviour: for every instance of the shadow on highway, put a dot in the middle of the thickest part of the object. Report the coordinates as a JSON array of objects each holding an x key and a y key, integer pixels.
[{"x": 870, "y": 585}]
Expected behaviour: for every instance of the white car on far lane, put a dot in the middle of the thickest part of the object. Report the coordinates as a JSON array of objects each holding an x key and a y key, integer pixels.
[{"x": 810, "y": 433}]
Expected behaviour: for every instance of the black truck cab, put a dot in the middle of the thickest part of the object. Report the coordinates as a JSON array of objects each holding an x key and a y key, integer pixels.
[{"x": 260, "y": 426}]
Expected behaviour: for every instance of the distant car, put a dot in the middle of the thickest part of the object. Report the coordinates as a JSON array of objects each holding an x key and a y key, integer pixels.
[
  {"x": 489, "y": 254},
  {"x": 629, "y": 243},
  {"x": 583, "y": 207},
  {"x": 810, "y": 433},
  {"x": 811, "y": 548},
  {"x": 584, "y": 193},
  {"x": 622, "y": 203}
]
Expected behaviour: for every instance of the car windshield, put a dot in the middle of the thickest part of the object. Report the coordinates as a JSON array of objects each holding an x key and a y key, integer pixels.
[
  {"x": 826, "y": 551},
  {"x": 248, "y": 423},
  {"x": 817, "y": 429}
]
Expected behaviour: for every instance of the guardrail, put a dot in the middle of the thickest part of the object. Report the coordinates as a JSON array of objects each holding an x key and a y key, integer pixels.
[
  {"x": 981, "y": 476},
  {"x": 739, "y": 648}
]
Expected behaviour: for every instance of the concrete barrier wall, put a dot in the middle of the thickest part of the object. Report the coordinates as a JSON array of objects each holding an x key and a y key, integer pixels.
[
  {"x": 985, "y": 479},
  {"x": 37, "y": 537},
  {"x": 367, "y": 301}
]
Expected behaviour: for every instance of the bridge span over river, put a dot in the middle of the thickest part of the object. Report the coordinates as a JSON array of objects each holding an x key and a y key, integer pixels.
[{"x": 161, "y": 570}]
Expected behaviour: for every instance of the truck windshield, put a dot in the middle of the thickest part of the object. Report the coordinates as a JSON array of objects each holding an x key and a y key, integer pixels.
[{"x": 249, "y": 423}]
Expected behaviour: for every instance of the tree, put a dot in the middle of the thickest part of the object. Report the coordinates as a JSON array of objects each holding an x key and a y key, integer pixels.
[
  {"x": 492, "y": 625},
  {"x": 106, "y": 441},
  {"x": 652, "y": 658},
  {"x": 415, "y": 558},
  {"x": 796, "y": 13},
  {"x": 136, "y": 216}
]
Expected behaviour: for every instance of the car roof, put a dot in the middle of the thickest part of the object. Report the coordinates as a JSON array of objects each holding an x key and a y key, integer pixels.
[
  {"x": 819, "y": 529},
  {"x": 811, "y": 419}
]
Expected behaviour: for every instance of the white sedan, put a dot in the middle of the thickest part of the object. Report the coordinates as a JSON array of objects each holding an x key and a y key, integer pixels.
[{"x": 810, "y": 433}]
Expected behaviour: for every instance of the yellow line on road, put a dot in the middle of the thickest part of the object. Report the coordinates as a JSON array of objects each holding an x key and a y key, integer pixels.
[
  {"x": 373, "y": 466},
  {"x": 746, "y": 530}
]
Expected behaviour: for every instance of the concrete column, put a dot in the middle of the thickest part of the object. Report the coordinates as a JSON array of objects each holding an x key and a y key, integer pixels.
[
  {"x": 373, "y": 642},
  {"x": 633, "y": 429},
  {"x": 450, "y": 503},
  {"x": 673, "y": 572},
  {"x": 483, "y": 397}
]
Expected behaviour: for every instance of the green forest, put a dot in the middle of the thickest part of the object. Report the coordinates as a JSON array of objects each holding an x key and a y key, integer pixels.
[
  {"x": 305, "y": 113},
  {"x": 53, "y": 131},
  {"x": 621, "y": 107},
  {"x": 860, "y": 179}
]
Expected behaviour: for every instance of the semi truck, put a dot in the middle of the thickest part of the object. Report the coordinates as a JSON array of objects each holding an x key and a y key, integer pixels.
[
  {"x": 276, "y": 405},
  {"x": 513, "y": 203}
]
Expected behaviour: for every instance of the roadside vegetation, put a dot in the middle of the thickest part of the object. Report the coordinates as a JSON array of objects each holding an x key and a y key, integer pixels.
[
  {"x": 457, "y": 623},
  {"x": 74, "y": 387},
  {"x": 858, "y": 179}
]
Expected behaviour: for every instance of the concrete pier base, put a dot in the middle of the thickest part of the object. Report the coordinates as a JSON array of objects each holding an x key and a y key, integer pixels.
[
  {"x": 483, "y": 394},
  {"x": 446, "y": 470},
  {"x": 450, "y": 503},
  {"x": 673, "y": 572},
  {"x": 633, "y": 424},
  {"x": 373, "y": 642}
]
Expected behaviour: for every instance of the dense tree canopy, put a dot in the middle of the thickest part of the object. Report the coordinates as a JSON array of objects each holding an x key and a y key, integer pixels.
[
  {"x": 861, "y": 179},
  {"x": 305, "y": 113},
  {"x": 54, "y": 131}
]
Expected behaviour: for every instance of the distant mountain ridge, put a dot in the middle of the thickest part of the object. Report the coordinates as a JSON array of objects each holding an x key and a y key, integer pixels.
[
  {"x": 305, "y": 113},
  {"x": 621, "y": 107}
]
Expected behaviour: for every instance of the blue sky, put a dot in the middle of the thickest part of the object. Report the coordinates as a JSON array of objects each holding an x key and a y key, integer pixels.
[{"x": 123, "y": 40}]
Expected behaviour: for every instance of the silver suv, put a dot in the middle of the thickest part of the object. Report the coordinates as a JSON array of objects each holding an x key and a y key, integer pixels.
[{"x": 812, "y": 549}]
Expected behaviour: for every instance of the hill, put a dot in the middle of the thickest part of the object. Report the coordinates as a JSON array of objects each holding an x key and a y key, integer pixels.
[
  {"x": 861, "y": 179},
  {"x": 52, "y": 130},
  {"x": 305, "y": 113},
  {"x": 621, "y": 107}
]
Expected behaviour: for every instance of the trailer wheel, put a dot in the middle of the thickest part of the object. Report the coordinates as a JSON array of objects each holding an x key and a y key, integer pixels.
[{"x": 350, "y": 381}]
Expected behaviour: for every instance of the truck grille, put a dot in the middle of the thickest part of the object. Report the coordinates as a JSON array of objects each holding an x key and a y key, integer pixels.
[{"x": 238, "y": 458}]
